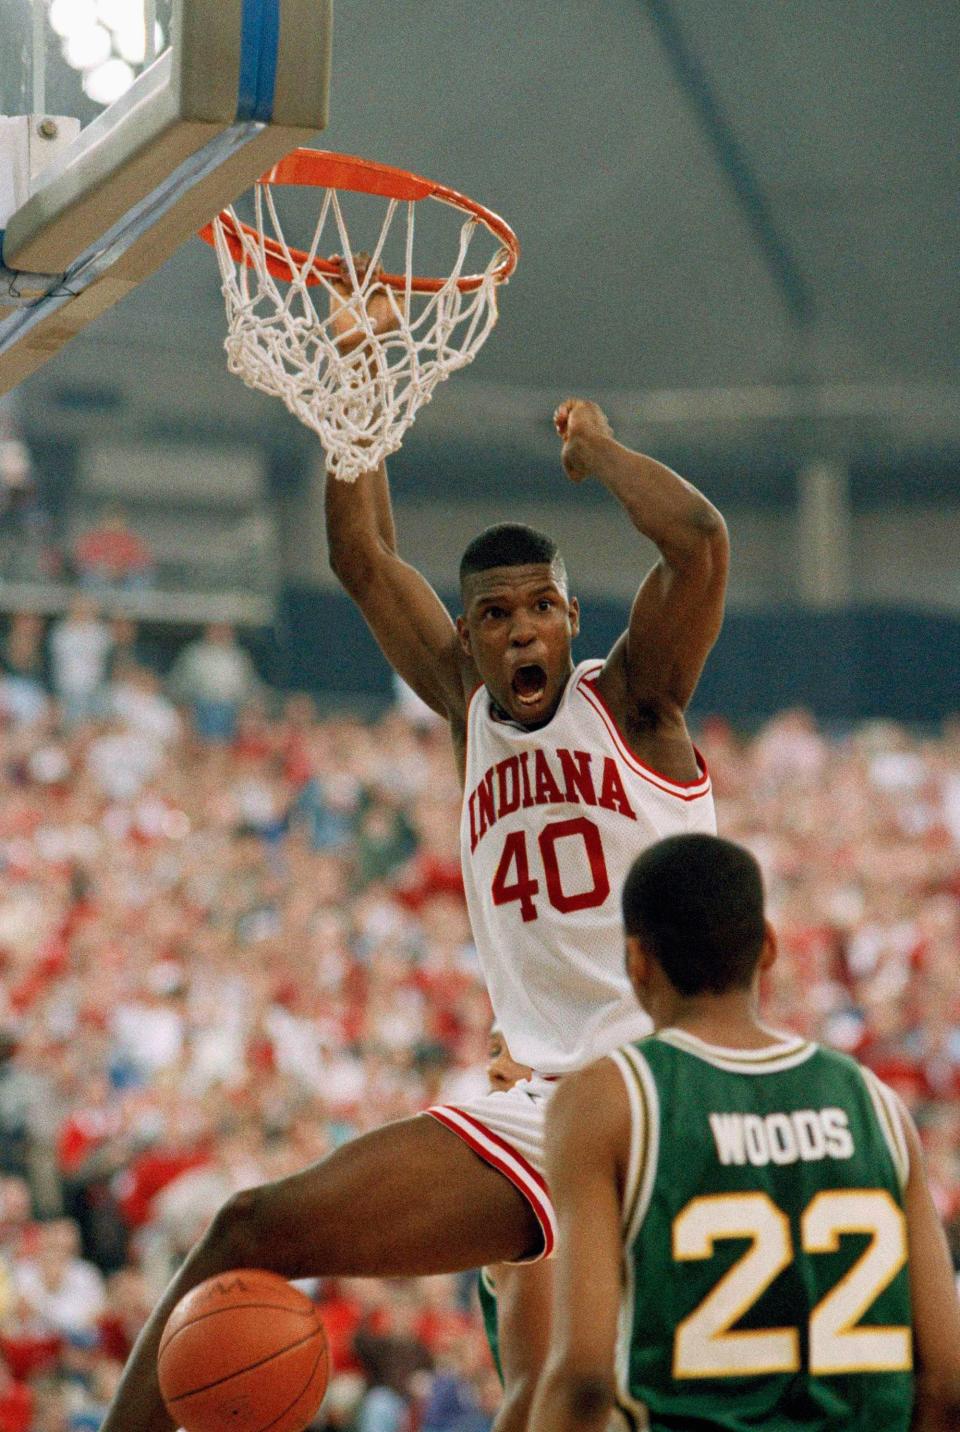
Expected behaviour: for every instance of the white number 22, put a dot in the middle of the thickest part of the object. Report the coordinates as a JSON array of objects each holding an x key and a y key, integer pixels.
[{"x": 705, "y": 1346}]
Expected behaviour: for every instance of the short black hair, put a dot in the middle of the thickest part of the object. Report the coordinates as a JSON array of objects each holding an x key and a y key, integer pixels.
[
  {"x": 510, "y": 544},
  {"x": 696, "y": 904}
]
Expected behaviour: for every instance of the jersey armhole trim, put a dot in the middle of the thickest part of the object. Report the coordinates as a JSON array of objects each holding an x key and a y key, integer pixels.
[
  {"x": 891, "y": 1125},
  {"x": 467, "y": 764},
  {"x": 682, "y": 790},
  {"x": 644, "y": 1138}
]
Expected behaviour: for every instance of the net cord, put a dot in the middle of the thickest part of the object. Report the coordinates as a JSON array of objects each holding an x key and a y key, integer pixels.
[{"x": 280, "y": 340}]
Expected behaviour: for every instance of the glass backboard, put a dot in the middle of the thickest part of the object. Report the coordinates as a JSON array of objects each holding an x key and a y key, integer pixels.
[{"x": 129, "y": 124}]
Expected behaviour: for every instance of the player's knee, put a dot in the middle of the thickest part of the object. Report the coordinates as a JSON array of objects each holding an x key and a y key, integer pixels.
[{"x": 240, "y": 1231}]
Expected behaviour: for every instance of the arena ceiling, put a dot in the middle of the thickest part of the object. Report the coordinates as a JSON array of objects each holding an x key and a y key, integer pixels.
[{"x": 738, "y": 221}]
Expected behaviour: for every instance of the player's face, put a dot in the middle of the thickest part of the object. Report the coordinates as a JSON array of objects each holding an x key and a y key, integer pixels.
[
  {"x": 503, "y": 1071},
  {"x": 518, "y": 627}
]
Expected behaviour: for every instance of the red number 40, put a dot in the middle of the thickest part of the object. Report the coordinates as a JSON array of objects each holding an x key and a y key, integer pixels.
[{"x": 513, "y": 880}]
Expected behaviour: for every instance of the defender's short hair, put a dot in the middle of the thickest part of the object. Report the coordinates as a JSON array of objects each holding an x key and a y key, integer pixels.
[
  {"x": 510, "y": 544},
  {"x": 696, "y": 904}
]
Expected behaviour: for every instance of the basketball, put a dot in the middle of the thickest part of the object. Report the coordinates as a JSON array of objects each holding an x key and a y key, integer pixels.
[{"x": 244, "y": 1351}]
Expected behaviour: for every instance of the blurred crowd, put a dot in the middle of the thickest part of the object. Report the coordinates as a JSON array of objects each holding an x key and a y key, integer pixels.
[
  {"x": 55, "y": 532},
  {"x": 106, "y": 554},
  {"x": 232, "y": 936}
]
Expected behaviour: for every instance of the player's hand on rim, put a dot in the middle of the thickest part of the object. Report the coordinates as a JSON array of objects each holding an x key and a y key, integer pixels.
[
  {"x": 346, "y": 324},
  {"x": 582, "y": 425}
]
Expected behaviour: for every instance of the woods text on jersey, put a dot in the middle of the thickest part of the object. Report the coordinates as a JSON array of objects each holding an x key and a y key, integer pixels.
[{"x": 803, "y": 1134}]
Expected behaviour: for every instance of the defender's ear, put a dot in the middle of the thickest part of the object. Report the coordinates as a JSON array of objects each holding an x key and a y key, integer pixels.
[
  {"x": 638, "y": 964},
  {"x": 463, "y": 635},
  {"x": 769, "y": 948},
  {"x": 573, "y": 607}
]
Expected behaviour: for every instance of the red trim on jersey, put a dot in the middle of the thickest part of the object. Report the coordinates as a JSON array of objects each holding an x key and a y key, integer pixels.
[
  {"x": 466, "y": 747},
  {"x": 683, "y": 790},
  {"x": 525, "y": 1179}
]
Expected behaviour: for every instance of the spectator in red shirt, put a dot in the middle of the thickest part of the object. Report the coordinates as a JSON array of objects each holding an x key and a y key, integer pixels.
[
  {"x": 153, "y": 1170},
  {"x": 127, "y": 1308},
  {"x": 112, "y": 555},
  {"x": 16, "y": 1402}
]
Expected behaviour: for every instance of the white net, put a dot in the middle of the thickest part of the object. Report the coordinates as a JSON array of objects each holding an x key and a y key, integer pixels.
[{"x": 286, "y": 335}]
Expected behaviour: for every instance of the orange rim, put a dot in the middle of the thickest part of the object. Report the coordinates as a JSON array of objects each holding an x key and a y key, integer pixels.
[{"x": 323, "y": 169}]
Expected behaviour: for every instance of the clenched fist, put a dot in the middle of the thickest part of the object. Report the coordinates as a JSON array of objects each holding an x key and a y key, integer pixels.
[{"x": 583, "y": 426}]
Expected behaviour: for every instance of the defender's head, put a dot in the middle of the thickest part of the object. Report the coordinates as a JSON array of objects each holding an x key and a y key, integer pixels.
[
  {"x": 518, "y": 620},
  {"x": 503, "y": 1071},
  {"x": 694, "y": 921}
]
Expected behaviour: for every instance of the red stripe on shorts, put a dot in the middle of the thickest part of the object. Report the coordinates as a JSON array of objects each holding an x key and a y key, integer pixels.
[
  {"x": 524, "y": 1178},
  {"x": 538, "y": 1178}
]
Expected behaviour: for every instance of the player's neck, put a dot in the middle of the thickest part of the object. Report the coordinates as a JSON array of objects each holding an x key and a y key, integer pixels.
[{"x": 728, "y": 1020}]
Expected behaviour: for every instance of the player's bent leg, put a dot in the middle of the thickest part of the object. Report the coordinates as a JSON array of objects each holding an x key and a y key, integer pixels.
[
  {"x": 523, "y": 1335},
  {"x": 408, "y": 1199}
]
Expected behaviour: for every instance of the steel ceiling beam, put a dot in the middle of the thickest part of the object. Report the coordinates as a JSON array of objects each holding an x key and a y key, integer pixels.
[{"x": 747, "y": 189}]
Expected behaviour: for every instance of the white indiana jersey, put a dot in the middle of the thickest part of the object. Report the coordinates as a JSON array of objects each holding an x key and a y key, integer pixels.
[{"x": 552, "y": 821}]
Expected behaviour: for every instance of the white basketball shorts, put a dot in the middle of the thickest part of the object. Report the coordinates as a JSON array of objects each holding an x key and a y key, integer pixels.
[{"x": 506, "y": 1129}]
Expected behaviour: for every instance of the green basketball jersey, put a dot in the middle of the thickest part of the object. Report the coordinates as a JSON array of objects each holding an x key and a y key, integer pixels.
[
  {"x": 487, "y": 1293},
  {"x": 765, "y": 1278}
]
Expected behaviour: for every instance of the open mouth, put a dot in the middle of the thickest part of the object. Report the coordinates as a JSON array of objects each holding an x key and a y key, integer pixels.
[{"x": 529, "y": 684}]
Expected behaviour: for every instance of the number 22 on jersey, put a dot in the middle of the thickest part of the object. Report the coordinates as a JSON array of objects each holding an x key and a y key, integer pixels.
[
  {"x": 705, "y": 1345},
  {"x": 514, "y": 878}
]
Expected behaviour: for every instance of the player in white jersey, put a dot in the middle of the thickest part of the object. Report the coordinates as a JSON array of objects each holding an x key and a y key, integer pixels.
[
  {"x": 552, "y": 820},
  {"x": 569, "y": 774}
]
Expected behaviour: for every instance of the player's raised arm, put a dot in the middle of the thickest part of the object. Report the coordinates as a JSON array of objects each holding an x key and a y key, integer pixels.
[
  {"x": 934, "y": 1302},
  {"x": 587, "y": 1142},
  {"x": 678, "y": 610},
  {"x": 411, "y": 624},
  {"x": 408, "y": 619}
]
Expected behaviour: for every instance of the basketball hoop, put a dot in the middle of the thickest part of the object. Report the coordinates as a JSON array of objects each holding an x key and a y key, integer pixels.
[{"x": 286, "y": 307}]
